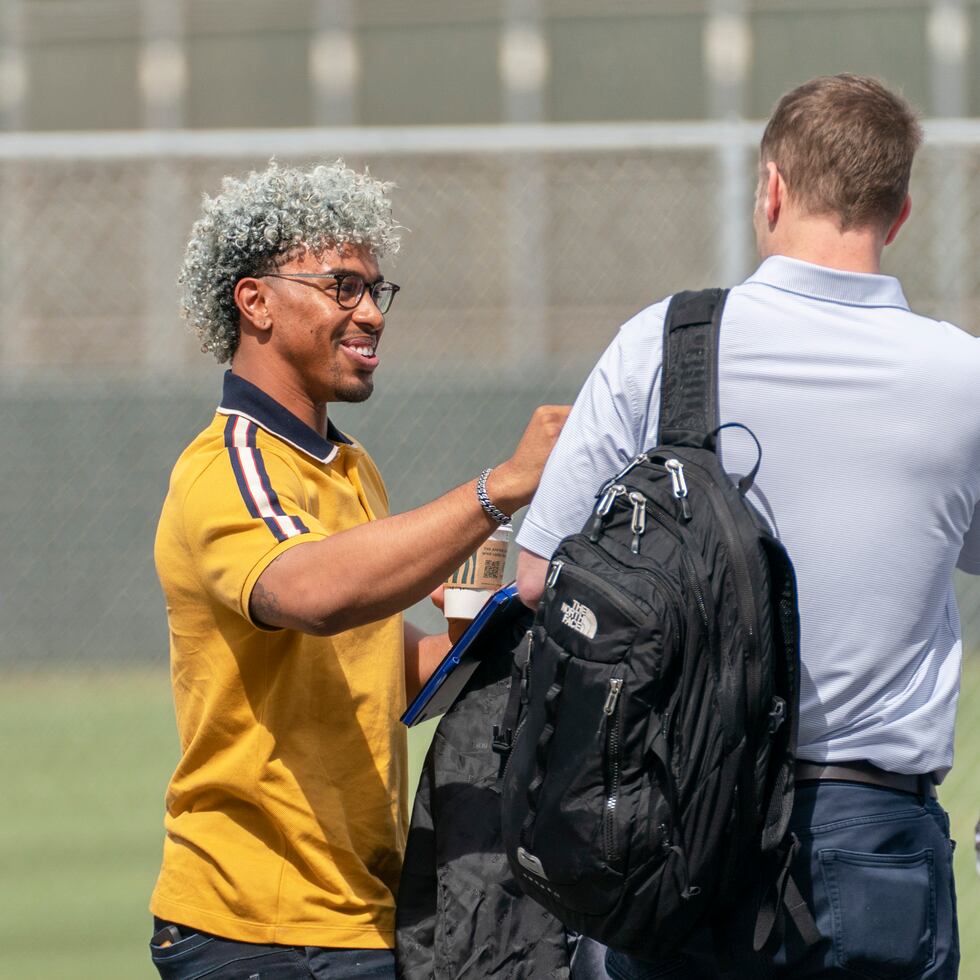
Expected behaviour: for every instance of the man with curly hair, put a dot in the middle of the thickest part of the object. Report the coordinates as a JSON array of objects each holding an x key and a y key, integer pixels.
[{"x": 285, "y": 580}]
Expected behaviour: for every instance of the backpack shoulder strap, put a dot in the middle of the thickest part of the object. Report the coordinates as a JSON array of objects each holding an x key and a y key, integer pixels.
[{"x": 689, "y": 375}]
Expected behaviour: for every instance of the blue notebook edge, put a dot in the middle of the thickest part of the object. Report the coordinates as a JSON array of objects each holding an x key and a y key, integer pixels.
[{"x": 497, "y": 603}]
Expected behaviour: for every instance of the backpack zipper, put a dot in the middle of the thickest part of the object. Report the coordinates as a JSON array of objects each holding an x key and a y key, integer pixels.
[
  {"x": 513, "y": 747},
  {"x": 743, "y": 592},
  {"x": 612, "y": 754},
  {"x": 670, "y": 524},
  {"x": 692, "y": 576},
  {"x": 594, "y": 526},
  {"x": 526, "y": 670},
  {"x": 525, "y": 698},
  {"x": 689, "y": 572},
  {"x": 746, "y": 602},
  {"x": 615, "y": 686},
  {"x": 676, "y": 470},
  {"x": 639, "y": 520},
  {"x": 632, "y": 464}
]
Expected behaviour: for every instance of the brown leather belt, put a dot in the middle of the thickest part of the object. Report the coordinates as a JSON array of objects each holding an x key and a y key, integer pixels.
[{"x": 864, "y": 772}]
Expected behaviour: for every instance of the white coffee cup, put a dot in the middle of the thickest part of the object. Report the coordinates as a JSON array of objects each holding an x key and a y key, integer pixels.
[{"x": 472, "y": 584}]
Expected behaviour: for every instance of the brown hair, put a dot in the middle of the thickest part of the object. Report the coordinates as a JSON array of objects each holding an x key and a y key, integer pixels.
[{"x": 844, "y": 145}]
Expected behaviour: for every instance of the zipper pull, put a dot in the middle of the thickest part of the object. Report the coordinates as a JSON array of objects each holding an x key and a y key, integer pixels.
[
  {"x": 676, "y": 470},
  {"x": 777, "y": 715},
  {"x": 635, "y": 461},
  {"x": 609, "y": 496},
  {"x": 615, "y": 686},
  {"x": 556, "y": 567},
  {"x": 526, "y": 669},
  {"x": 639, "y": 523}
]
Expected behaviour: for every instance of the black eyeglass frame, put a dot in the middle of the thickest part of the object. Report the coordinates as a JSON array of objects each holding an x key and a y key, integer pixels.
[{"x": 381, "y": 285}]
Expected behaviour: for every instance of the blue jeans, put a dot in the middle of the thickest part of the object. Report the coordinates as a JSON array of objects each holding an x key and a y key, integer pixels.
[
  {"x": 876, "y": 868},
  {"x": 198, "y": 954}
]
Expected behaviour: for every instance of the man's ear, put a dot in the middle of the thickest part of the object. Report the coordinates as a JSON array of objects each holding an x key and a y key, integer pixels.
[
  {"x": 899, "y": 221},
  {"x": 251, "y": 300},
  {"x": 775, "y": 191}
]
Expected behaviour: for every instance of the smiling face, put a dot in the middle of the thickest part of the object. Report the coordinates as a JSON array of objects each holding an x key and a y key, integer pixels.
[{"x": 308, "y": 349}]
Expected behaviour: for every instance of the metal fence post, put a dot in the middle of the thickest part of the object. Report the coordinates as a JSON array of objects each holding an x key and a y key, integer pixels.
[
  {"x": 523, "y": 65},
  {"x": 727, "y": 45},
  {"x": 334, "y": 63},
  {"x": 13, "y": 96},
  {"x": 948, "y": 34},
  {"x": 163, "y": 86}
]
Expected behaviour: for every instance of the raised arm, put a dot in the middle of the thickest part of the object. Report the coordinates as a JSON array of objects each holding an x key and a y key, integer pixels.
[{"x": 378, "y": 569}]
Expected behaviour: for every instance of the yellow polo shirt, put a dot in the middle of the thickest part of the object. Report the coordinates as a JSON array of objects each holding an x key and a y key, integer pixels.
[{"x": 286, "y": 816}]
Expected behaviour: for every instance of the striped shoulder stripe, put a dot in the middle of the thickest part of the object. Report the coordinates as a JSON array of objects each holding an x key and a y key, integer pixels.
[{"x": 253, "y": 480}]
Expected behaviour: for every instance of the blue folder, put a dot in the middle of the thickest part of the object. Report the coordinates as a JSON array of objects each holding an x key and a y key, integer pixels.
[{"x": 450, "y": 677}]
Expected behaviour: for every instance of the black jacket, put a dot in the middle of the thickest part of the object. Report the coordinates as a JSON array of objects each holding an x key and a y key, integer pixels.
[{"x": 461, "y": 915}]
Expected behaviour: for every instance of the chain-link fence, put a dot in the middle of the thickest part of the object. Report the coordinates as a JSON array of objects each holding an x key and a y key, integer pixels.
[
  {"x": 519, "y": 262},
  {"x": 525, "y": 250}
]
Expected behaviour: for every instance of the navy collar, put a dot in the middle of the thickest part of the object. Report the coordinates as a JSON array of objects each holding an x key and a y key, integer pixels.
[
  {"x": 241, "y": 397},
  {"x": 834, "y": 285}
]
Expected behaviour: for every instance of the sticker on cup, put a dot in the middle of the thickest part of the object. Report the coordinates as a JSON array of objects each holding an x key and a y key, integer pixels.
[{"x": 472, "y": 584}]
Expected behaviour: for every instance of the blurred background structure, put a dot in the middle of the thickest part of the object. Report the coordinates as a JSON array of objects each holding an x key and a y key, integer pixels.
[{"x": 559, "y": 165}]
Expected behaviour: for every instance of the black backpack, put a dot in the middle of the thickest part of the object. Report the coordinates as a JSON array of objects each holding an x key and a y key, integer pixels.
[{"x": 649, "y": 780}]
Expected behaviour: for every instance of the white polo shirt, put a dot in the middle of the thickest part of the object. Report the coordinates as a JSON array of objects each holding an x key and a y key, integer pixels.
[{"x": 869, "y": 422}]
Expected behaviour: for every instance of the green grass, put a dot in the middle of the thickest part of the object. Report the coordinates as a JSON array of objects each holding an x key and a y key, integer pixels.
[
  {"x": 960, "y": 794},
  {"x": 85, "y": 764},
  {"x": 86, "y": 757}
]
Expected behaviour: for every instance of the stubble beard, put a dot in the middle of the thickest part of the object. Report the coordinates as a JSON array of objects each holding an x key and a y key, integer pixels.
[{"x": 353, "y": 392}]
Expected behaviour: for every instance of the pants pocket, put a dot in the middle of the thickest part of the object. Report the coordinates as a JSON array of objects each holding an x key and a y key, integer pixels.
[
  {"x": 200, "y": 955},
  {"x": 180, "y": 960},
  {"x": 884, "y": 911}
]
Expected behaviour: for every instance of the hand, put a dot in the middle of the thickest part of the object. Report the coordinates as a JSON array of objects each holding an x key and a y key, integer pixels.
[
  {"x": 511, "y": 485},
  {"x": 457, "y": 627}
]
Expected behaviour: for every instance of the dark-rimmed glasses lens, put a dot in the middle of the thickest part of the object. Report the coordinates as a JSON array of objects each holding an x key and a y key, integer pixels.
[{"x": 383, "y": 294}]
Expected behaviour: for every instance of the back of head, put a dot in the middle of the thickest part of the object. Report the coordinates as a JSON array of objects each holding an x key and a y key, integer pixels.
[{"x": 844, "y": 146}]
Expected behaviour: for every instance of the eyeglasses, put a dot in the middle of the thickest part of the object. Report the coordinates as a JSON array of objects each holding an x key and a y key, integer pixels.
[{"x": 347, "y": 287}]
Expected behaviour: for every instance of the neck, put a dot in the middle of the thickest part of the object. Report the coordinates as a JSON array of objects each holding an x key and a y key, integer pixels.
[
  {"x": 819, "y": 240},
  {"x": 277, "y": 386}
]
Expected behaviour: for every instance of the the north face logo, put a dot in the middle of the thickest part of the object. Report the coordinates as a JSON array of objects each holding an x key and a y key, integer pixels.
[{"x": 580, "y": 618}]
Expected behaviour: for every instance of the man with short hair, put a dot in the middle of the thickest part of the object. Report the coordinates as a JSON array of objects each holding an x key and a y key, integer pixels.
[
  {"x": 867, "y": 417},
  {"x": 285, "y": 580}
]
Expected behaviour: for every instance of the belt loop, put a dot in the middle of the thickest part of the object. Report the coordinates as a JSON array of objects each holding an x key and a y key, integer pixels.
[{"x": 927, "y": 787}]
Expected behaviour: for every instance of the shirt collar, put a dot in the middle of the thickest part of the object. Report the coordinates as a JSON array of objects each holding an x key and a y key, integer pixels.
[
  {"x": 241, "y": 397},
  {"x": 833, "y": 285}
]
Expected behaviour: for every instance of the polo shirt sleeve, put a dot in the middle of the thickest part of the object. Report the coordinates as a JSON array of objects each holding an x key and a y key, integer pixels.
[
  {"x": 247, "y": 507},
  {"x": 607, "y": 427},
  {"x": 969, "y": 560}
]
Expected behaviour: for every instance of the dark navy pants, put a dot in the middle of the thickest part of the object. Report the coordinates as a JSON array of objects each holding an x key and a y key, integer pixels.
[
  {"x": 198, "y": 955},
  {"x": 876, "y": 868}
]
